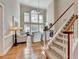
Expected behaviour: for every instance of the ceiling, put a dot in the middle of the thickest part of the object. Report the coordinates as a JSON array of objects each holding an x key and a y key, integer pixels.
[{"x": 34, "y": 3}]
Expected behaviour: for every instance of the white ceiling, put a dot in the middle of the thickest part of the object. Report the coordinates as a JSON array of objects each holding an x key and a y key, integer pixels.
[{"x": 42, "y": 3}]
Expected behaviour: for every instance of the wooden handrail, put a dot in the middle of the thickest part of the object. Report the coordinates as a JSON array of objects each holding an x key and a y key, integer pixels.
[
  {"x": 62, "y": 15},
  {"x": 71, "y": 23}
]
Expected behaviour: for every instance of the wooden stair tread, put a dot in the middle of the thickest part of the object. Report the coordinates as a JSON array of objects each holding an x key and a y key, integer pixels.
[
  {"x": 61, "y": 38},
  {"x": 60, "y": 44},
  {"x": 61, "y": 33},
  {"x": 57, "y": 50},
  {"x": 52, "y": 55}
]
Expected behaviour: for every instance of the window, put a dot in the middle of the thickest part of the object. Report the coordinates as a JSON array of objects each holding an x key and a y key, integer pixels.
[
  {"x": 40, "y": 18},
  {"x": 41, "y": 28},
  {"x": 26, "y": 17},
  {"x": 34, "y": 18},
  {"x": 35, "y": 23},
  {"x": 27, "y": 27},
  {"x": 34, "y": 28}
]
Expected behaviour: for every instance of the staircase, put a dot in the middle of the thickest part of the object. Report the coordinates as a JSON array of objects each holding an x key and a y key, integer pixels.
[{"x": 58, "y": 48}]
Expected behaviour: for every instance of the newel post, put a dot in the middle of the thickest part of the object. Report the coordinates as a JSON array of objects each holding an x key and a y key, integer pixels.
[
  {"x": 45, "y": 31},
  {"x": 68, "y": 33}
]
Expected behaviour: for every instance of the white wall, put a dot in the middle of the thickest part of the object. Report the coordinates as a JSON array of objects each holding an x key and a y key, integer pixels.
[
  {"x": 11, "y": 8},
  {"x": 76, "y": 7},
  {"x": 59, "y": 7},
  {"x": 50, "y": 13},
  {"x": 55, "y": 9}
]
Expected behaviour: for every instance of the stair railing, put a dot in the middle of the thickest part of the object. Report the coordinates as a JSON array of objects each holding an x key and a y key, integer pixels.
[
  {"x": 47, "y": 29},
  {"x": 54, "y": 24},
  {"x": 61, "y": 15}
]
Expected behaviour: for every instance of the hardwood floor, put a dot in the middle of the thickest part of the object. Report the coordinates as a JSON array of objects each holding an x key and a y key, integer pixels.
[{"x": 18, "y": 52}]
